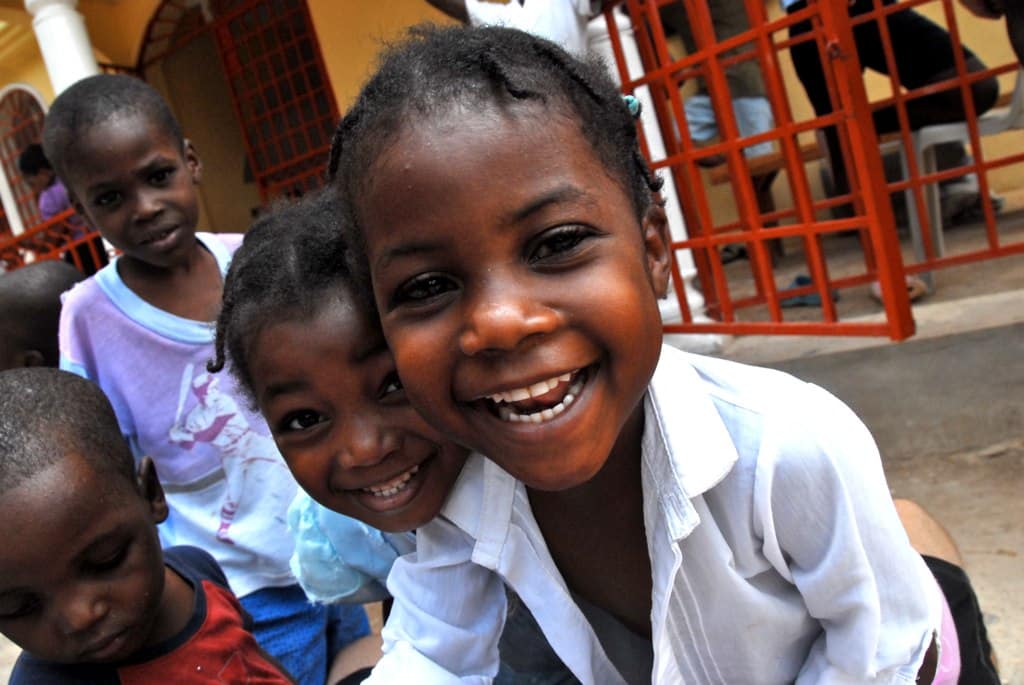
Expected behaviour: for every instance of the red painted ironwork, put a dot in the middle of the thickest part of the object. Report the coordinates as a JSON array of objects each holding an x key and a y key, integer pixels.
[
  {"x": 279, "y": 88},
  {"x": 21, "y": 123},
  {"x": 61, "y": 237},
  {"x": 807, "y": 218}
]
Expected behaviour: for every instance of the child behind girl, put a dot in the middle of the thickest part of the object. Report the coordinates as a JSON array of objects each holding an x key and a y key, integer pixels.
[
  {"x": 667, "y": 517},
  {"x": 30, "y": 312},
  {"x": 309, "y": 351},
  {"x": 141, "y": 329}
]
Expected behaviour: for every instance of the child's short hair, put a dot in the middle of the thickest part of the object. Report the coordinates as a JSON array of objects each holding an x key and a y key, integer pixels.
[
  {"x": 438, "y": 69},
  {"x": 32, "y": 160},
  {"x": 30, "y": 306},
  {"x": 47, "y": 414},
  {"x": 289, "y": 259},
  {"x": 95, "y": 100}
]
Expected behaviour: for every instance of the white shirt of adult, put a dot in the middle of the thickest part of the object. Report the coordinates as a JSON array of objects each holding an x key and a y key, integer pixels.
[
  {"x": 776, "y": 552},
  {"x": 561, "y": 21}
]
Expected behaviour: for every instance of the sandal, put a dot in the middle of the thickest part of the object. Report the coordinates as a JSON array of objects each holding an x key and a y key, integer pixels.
[{"x": 916, "y": 289}]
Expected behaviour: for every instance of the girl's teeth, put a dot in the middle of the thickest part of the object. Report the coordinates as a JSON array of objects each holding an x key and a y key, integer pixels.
[
  {"x": 541, "y": 387},
  {"x": 517, "y": 395},
  {"x": 535, "y": 390},
  {"x": 394, "y": 486},
  {"x": 507, "y": 413}
]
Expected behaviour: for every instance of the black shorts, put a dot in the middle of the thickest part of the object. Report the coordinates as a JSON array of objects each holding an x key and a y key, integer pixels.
[{"x": 976, "y": 666}]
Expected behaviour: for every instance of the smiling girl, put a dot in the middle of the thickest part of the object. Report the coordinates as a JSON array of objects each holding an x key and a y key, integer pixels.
[{"x": 667, "y": 517}]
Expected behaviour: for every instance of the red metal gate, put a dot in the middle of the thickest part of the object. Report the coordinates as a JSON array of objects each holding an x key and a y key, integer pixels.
[
  {"x": 755, "y": 303},
  {"x": 279, "y": 87},
  {"x": 21, "y": 123}
]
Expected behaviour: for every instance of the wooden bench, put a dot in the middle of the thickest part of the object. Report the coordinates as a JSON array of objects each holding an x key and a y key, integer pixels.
[
  {"x": 763, "y": 170},
  {"x": 765, "y": 165}
]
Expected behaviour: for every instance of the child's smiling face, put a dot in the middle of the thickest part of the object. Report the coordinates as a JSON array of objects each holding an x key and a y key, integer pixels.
[
  {"x": 517, "y": 287},
  {"x": 82, "y": 577},
  {"x": 136, "y": 184},
  {"x": 331, "y": 396}
]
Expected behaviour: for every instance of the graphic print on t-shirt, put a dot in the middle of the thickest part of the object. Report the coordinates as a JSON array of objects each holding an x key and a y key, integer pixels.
[{"x": 205, "y": 415}]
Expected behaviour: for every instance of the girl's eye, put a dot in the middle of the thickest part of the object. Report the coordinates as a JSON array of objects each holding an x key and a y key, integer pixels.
[
  {"x": 107, "y": 199},
  {"x": 17, "y": 608},
  {"x": 161, "y": 175},
  {"x": 422, "y": 288},
  {"x": 108, "y": 561},
  {"x": 558, "y": 242},
  {"x": 301, "y": 420}
]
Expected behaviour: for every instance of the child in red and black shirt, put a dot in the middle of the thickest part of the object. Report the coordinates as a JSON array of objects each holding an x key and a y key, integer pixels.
[{"x": 84, "y": 587}]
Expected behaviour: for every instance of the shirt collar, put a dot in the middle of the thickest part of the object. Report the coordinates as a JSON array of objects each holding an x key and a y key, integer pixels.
[{"x": 687, "y": 448}]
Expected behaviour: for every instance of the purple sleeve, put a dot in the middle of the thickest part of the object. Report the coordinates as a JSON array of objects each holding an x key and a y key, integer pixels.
[{"x": 53, "y": 200}]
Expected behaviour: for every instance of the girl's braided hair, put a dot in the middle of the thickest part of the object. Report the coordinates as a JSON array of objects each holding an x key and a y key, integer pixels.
[
  {"x": 445, "y": 71},
  {"x": 290, "y": 260}
]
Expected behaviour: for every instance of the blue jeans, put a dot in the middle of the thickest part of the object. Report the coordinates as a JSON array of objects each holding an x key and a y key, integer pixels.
[
  {"x": 303, "y": 637},
  {"x": 526, "y": 656}
]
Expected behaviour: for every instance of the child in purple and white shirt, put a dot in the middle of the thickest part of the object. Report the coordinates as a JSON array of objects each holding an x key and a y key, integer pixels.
[{"x": 142, "y": 329}]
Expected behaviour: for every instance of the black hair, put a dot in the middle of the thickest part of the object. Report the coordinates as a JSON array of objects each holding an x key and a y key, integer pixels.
[
  {"x": 32, "y": 160},
  {"x": 437, "y": 68},
  {"x": 47, "y": 415},
  {"x": 290, "y": 258},
  {"x": 95, "y": 100},
  {"x": 30, "y": 306}
]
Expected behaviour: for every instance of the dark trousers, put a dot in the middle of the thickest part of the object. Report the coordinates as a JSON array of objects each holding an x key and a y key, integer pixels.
[{"x": 923, "y": 53}]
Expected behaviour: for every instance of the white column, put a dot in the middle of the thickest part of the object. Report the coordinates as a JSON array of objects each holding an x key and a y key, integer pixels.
[
  {"x": 10, "y": 205},
  {"x": 599, "y": 42},
  {"x": 63, "y": 40}
]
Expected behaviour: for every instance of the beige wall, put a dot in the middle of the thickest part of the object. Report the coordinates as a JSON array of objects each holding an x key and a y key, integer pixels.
[
  {"x": 208, "y": 120},
  {"x": 30, "y": 73},
  {"x": 117, "y": 28},
  {"x": 351, "y": 33}
]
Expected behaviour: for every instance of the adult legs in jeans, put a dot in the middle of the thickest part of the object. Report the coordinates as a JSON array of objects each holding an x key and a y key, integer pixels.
[{"x": 916, "y": 66}]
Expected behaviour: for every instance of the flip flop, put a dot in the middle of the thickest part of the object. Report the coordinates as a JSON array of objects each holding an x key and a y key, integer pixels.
[
  {"x": 732, "y": 252},
  {"x": 807, "y": 300},
  {"x": 916, "y": 289}
]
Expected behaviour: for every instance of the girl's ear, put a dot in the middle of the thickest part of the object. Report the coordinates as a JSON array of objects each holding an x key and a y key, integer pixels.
[
  {"x": 657, "y": 249},
  {"x": 151, "y": 490},
  {"x": 195, "y": 165}
]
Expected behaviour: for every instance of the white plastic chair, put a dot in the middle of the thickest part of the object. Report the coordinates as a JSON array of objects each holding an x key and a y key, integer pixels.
[{"x": 924, "y": 140}]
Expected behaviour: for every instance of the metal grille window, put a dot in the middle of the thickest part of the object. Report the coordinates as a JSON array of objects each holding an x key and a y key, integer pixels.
[
  {"x": 21, "y": 123},
  {"x": 279, "y": 87},
  {"x": 754, "y": 296}
]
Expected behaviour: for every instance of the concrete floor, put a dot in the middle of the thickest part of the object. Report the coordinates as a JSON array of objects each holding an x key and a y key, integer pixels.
[{"x": 947, "y": 410}]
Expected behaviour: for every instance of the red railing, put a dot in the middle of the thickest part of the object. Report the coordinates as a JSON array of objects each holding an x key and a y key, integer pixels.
[
  {"x": 62, "y": 237},
  {"x": 754, "y": 302}
]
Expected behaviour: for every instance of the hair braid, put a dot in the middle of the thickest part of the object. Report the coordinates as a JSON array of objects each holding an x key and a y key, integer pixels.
[
  {"x": 653, "y": 181},
  {"x": 493, "y": 67},
  {"x": 567, "y": 63},
  {"x": 348, "y": 123},
  {"x": 223, "y": 322}
]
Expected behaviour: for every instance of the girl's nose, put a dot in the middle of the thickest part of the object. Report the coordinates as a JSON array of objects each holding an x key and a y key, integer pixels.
[
  {"x": 147, "y": 206},
  {"x": 366, "y": 442},
  {"x": 81, "y": 611},
  {"x": 500, "y": 319}
]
